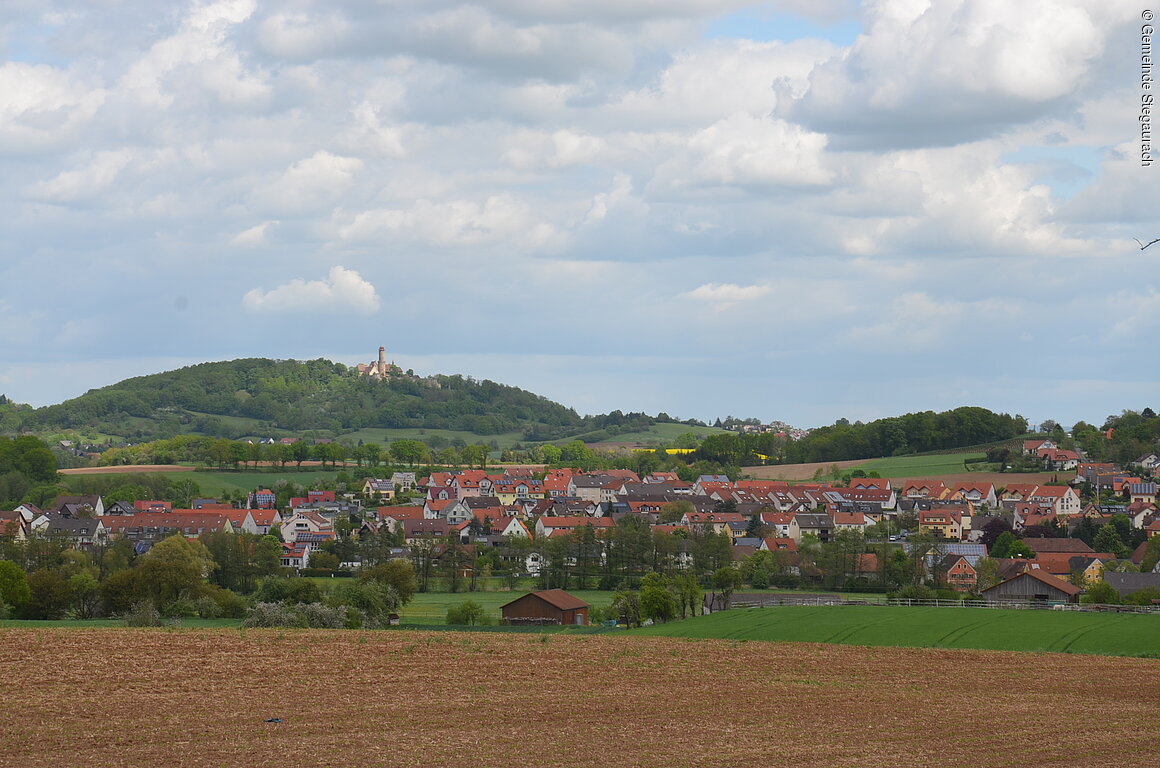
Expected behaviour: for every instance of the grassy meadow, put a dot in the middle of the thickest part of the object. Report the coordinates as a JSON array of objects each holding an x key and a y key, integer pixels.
[
  {"x": 1113, "y": 634},
  {"x": 216, "y": 484},
  {"x": 921, "y": 466}
]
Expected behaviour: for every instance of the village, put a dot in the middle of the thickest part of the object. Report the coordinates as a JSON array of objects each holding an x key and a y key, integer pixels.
[{"x": 555, "y": 526}]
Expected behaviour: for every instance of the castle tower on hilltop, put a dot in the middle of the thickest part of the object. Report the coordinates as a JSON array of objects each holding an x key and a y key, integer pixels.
[{"x": 379, "y": 369}]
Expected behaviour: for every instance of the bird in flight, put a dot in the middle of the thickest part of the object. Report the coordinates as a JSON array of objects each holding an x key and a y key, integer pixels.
[{"x": 1145, "y": 245}]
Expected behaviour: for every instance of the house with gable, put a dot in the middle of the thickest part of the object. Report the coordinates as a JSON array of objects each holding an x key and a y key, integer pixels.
[
  {"x": 471, "y": 482},
  {"x": 262, "y": 498},
  {"x": 307, "y": 525},
  {"x": 154, "y": 526},
  {"x": 404, "y": 481},
  {"x": 1034, "y": 447},
  {"x": 379, "y": 488},
  {"x": 1144, "y": 493},
  {"x": 92, "y": 505},
  {"x": 392, "y": 517},
  {"x": 851, "y": 521},
  {"x": 820, "y": 525},
  {"x": 977, "y": 494},
  {"x": 1059, "y": 460},
  {"x": 957, "y": 572},
  {"x": 548, "y": 526},
  {"x": 946, "y": 522},
  {"x": 718, "y": 521},
  {"x": 80, "y": 532},
  {"x": 1062, "y": 498},
  {"x": 924, "y": 489},
  {"x": 14, "y": 525},
  {"x": 264, "y": 519},
  {"x": 870, "y": 483}
]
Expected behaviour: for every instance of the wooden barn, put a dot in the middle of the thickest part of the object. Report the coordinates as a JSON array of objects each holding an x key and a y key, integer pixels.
[
  {"x": 1032, "y": 586},
  {"x": 549, "y": 606}
]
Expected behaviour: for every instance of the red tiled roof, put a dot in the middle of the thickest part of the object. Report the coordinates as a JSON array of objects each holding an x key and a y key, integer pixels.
[{"x": 557, "y": 598}]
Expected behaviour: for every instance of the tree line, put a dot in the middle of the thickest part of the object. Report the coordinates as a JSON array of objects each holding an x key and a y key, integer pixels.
[{"x": 896, "y": 436}]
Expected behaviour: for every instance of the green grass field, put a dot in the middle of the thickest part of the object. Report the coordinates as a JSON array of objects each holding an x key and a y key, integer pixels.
[
  {"x": 921, "y": 466},
  {"x": 431, "y": 607},
  {"x": 216, "y": 484},
  {"x": 1113, "y": 634}
]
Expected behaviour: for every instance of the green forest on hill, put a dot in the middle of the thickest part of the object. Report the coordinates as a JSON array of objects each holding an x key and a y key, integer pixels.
[{"x": 248, "y": 397}]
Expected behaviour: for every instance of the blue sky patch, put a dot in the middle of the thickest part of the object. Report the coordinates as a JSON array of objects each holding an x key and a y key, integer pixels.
[
  {"x": 1067, "y": 170},
  {"x": 764, "y": 25}
]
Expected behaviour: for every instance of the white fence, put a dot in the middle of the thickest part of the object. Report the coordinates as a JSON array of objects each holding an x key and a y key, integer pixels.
[{"x": 775, "y": 600}]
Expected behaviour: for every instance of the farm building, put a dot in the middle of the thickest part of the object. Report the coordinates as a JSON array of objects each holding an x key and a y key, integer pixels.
[
  {"x": 550, "y": 606},
  {"x": 1032, "y": 586}
]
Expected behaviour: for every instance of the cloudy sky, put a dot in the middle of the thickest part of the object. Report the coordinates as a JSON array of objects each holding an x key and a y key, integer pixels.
[{"x": 797, "y": 209}]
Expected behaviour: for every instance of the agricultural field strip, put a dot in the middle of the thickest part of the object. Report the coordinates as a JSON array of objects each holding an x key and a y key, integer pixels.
[
  {"x": 1115, "y": 634},
  {"x": 197, "y": 698}
]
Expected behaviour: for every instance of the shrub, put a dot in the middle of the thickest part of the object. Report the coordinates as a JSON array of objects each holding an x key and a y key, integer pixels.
[
  {"x": 230, "y": 605},
  {"x": 1144, "y": 596},
  {"x": 399, "y": 574},
  {"x": 182, "y": 606},
  {"x": 319, "y": 616},
  {"x": 292, "y": 590},
  {"x": 468, "y": 613},
  {"x": 914, "y": 592},
  {"x": 1102, "y": 593},
  {"x": 274, "y": 615},
  {"x": 371, "y": 599},
  {"x": 143, "y": 614}
]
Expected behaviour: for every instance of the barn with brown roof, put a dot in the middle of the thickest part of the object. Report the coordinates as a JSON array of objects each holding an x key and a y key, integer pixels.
[
  {"x": 1032, "y": 586},
  {"x": 549, "y": 606}
]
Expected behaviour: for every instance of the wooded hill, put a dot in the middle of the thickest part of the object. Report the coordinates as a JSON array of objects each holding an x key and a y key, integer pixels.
[{"x": 258, "y": 396}]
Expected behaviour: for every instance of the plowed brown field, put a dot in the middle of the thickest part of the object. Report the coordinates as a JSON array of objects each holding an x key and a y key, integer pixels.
[{"x": 200, "y": 698}]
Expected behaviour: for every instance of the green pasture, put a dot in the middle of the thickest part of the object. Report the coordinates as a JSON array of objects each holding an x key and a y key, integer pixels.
[
  {"x": 1112, "y": 634},
  {"x": 431, "y": 607},
  {"x": 216, "y": 483},
  {"x": 921, "y": 466}
]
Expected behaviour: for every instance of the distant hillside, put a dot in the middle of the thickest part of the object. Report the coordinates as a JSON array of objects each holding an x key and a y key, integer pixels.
[{"x": 259, "y": 396}]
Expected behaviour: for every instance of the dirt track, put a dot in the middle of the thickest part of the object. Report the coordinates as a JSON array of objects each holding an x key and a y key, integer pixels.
[
  {"x": 127, "y": 468},
  {"x": 120, "y": 698}
]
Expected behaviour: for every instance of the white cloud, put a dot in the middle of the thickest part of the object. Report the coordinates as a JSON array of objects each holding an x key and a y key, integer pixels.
[
  {"x": 254, "y": 236},
  {"x": 95, "y": 177},
  {"x": 344, "y": 290},
  {"x": 199, "y": 58},
  {"x": 41, "y": 106},
  {"x": 312, "y": 185},
  {"x": 726, "y": 295},
  {"x": 498, "y": 218},
  {"x": 303, "y": 36},
  {"x": 743, "y": 151},
  {"x": 936, "y": 73}
]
